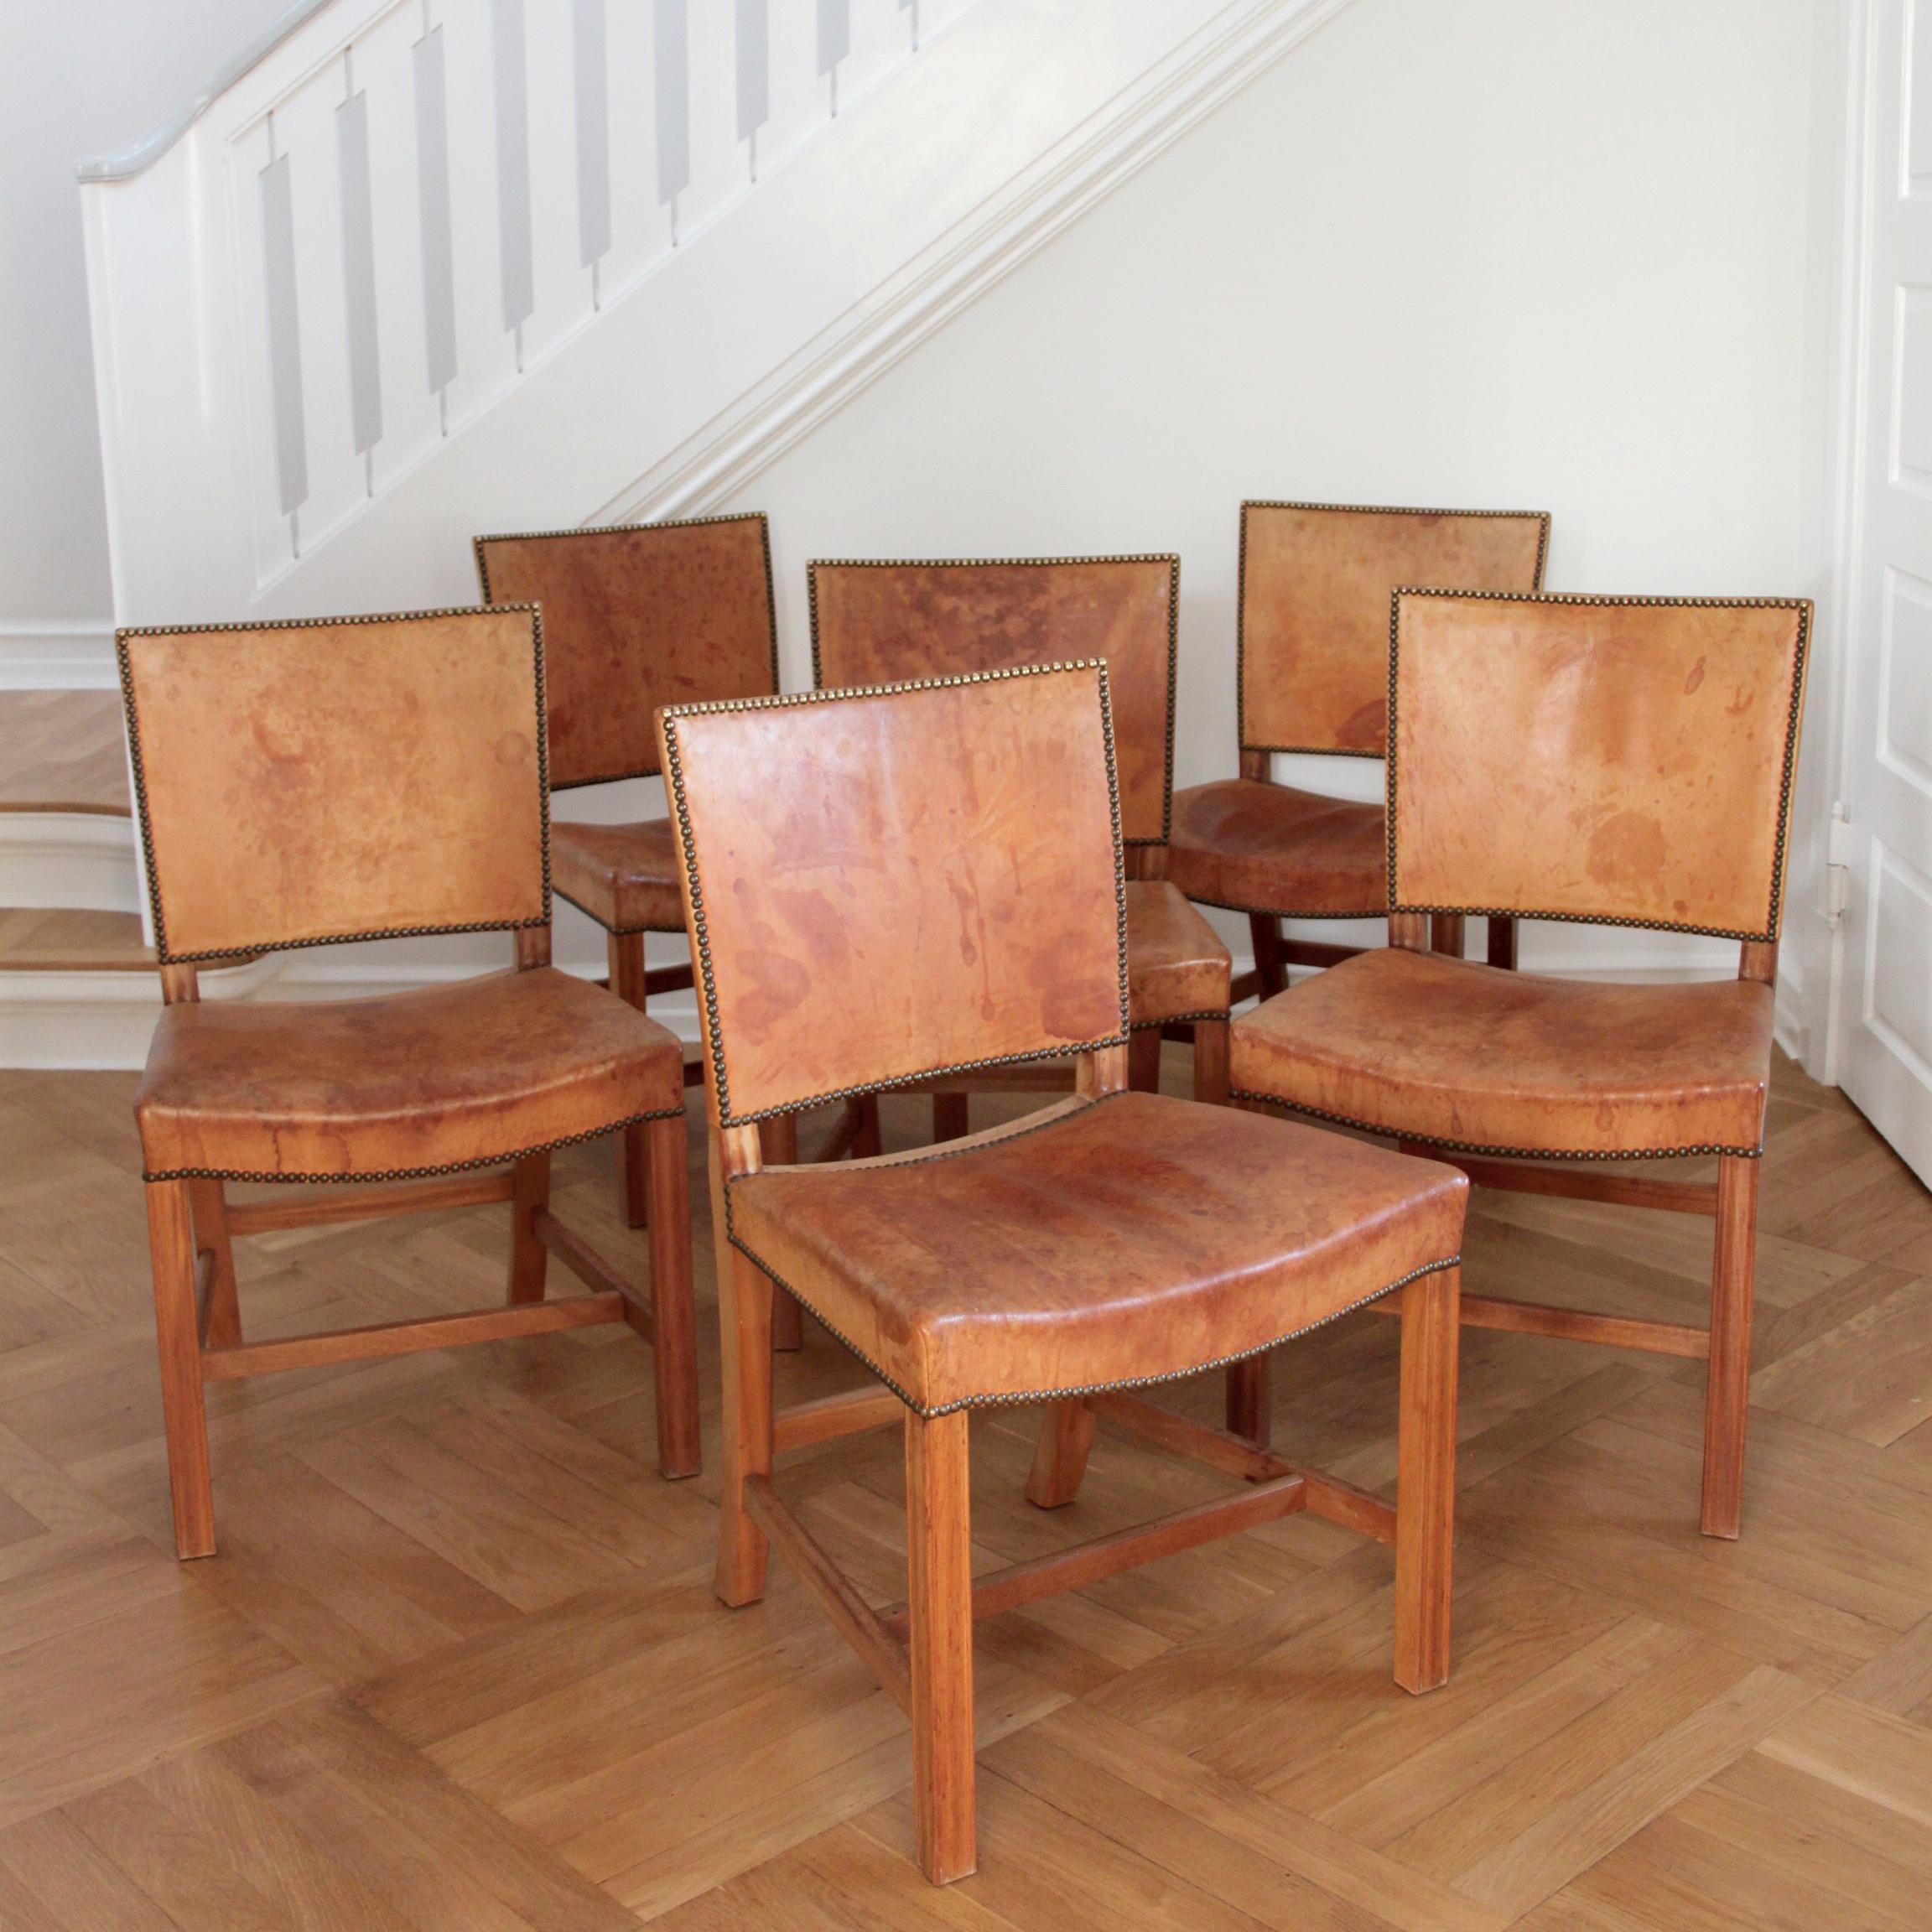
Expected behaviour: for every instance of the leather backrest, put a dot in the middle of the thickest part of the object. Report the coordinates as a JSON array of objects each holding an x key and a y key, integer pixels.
[
  {"x": 636, "y": 616},
  {"x": 1619, "y": 759},
  {"x": 885, "y": 884},
  {"x": 1313, "y": 624},
  {"x": 882, "y": 623},
  {"x": 353, "y": 779}
]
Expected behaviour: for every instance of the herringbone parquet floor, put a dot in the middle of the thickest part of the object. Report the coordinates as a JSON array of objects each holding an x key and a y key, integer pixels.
[{"x": 458, "y": 1668}]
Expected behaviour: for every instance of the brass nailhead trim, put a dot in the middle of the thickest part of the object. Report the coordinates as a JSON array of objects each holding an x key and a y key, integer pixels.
[
  {"x": 162, "y": 954},
  {"x": 1249, "y": 503},
  {"x": 416, "y": 1173},
  {"x": 757, "y": 516},
  {"x": 1700, "y": 1151},
  {"x": 674, "y": 767},
  {"x": 1171, "y": 559},
  {"x": 1769, "y": 935}
]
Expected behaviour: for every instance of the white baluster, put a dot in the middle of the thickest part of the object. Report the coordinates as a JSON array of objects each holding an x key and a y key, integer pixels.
[
  {"x": 560, "y": 279},
  {"x": 408, "y": 289},
  {"x": 485, "y": 350},
  {"x": 640, "y": 222}
]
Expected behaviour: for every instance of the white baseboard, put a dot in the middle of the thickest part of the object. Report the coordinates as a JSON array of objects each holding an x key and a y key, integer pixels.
[
  {"x": 70, "y": 859},
  {"x": 1788, "y": 1026},
  {"x": 57, "y": 654},
  {"x": 96, "y": 1022}
]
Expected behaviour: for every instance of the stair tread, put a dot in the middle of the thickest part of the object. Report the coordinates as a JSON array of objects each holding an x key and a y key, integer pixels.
[
  {"x": 62, "y": 752},
  {"x": 35, "y": 939}
]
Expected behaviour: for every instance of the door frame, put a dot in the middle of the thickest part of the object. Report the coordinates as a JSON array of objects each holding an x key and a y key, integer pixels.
[{"x": 1842, "y": 176}]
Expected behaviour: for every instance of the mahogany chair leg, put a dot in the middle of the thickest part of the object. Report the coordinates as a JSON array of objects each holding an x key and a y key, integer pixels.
[
  {"x": 528, "y": 1257},
  {"x": 1727, "y": 1385},
  {"x": 778, "y": 1137},
  {"x": 1501, "y": 939},
  {"x": 674, "y": 1322},
  {"x": 209, "y": 1202},
  {"x": 745, "y": 1323},
  {"x": 1446, "y": 934},
  {"x": 866, "y": 1143},
  {"x": 939, "y": 1569},
  {"x": 1426, "y": 1479},
  {"x": 1265, "y": 929},
  {"x": 1143, "y": 1060},
  {"x": 952, "y": 1116},
  {"x": 171, "y": 1245},
  {"x": 1251, "y": 1398},
  {"x": 1211, "y": 1061},
  {"x": 1060, "y": 1458},
  {"x": 625, "y": 952}
]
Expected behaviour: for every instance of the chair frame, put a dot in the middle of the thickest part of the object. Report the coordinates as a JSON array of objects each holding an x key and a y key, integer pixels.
[
  {"x": 1730, "y": 1201},
  {"x": 1274, "y": 952},
  {"x": 628, "y": 975},
  {"x": 192, "y": 1227},
  {"x": 921, "y": 1651}
]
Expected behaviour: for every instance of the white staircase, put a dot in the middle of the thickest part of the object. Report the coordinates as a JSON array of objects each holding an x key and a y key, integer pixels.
[
  {"x": 435, "y": 266},
  {"x": 416, "y": 269}
]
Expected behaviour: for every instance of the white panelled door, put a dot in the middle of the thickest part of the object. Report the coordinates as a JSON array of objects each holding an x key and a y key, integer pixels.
[{"x": 1887, "y": 1033}]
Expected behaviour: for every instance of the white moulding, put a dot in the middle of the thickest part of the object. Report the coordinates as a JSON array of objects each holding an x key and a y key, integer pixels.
[
  {"x": 57, "y": 654},
  {"x": 70, "y": 859}
]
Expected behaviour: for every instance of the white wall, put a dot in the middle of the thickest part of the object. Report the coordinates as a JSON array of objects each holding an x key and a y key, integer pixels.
[
  {"x": 1540, "y": 253},
  {"x": 87, "y": 77}
]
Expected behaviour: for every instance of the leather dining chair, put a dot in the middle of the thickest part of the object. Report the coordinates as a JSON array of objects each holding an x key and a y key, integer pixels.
[
  {"x": 883, "y": 623},
  {"x": 1626, "y": 761},
  {"x": 1311, "y": 657},
  {"x": 884, "y": 884},
  {"x": 311, "y": 783},
  {"x": 634, "y": 615}
]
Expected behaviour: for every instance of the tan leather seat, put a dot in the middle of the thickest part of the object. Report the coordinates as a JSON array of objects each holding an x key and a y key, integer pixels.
[
  {"x": 1177, "y": 968},
  {"x": 879, "y": 623},
  {"x": 635, "y": 616},
  {"x": 1622, "y": 760},
  {"x": 419, "y": 1082},
  {"x": 1099, "y": 1245},
  {"x": 897, "y": 884},
  {"x": 333, "y": 780},
  {"x": 1312, "y": 677},
  {"x": 1489, "y": 1061},
  {"x": 624, "y": 877},
  {"x": 1256, "y": 847}
]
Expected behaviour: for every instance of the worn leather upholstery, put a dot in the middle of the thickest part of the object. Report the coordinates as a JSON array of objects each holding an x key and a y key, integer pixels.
[
  {"x": 277, "y": 802},
  {"x": 1177, "y": 968},
  {"x": 1315, "y": 582},
  {"x": 415, "y": 1082},
  {"x": 635, "y": 617},
  {"x": 1431, "y": 1048},
  {"x": 1596, "y": 758},
  {"x": 1097, "y": 1244},
  {"x": 880, "y": 623},
  {"x": 887, "y": 623},
  {"x": 887, "y": 842},
  {"x": 1623, "y": 760},
  {"x": 624, "y": 877},
  {"x": 1263, "y": 848}
]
